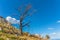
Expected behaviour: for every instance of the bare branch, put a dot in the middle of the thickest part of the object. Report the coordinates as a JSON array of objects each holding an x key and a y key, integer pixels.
[
  {"x": 26, "y": 10},
  {"x": 26, "y": 24},
  {"x": 25, "y": 13}
]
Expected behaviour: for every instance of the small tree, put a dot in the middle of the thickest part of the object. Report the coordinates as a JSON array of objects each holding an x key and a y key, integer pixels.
[{"x": 23, "y": 16}]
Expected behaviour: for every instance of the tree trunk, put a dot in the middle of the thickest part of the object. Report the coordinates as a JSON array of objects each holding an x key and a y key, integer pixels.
[{"x": 20, "y": 28}]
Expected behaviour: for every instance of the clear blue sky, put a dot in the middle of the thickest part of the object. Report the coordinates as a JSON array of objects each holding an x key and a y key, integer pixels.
[{"x": 46, "y": 20}]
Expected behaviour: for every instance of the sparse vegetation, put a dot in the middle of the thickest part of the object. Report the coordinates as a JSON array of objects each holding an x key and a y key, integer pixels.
[{"x": 8, "y": 34}]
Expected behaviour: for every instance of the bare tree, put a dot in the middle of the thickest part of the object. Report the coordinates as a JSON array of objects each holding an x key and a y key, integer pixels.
[{"x": 23, "y": 16}]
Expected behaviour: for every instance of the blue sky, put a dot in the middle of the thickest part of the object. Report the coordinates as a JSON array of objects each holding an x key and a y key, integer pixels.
[{"x": 46, "y": 19}]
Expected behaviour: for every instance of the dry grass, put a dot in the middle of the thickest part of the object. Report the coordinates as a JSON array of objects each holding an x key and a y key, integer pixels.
[{"x": 10, "y": 33}]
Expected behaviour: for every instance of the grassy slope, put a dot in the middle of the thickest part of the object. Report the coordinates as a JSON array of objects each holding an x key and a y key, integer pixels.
[{"x": 9, "y": 33}]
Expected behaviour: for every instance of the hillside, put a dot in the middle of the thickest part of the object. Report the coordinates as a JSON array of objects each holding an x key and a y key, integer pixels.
[{"x": 8, "y": 32}]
